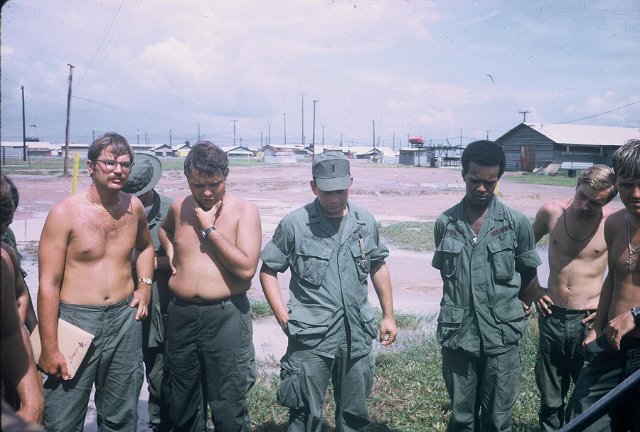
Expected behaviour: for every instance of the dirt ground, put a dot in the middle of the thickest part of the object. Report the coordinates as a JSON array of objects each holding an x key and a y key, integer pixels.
[{"x": 391, "y": 193}]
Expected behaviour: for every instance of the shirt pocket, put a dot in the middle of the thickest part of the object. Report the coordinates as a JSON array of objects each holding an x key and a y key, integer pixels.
[
  {"x": 510, "y": 318},
  {"x": 361, "y": 251},
  {"x": 503, "y": 258},
  {"x": 309, "y": 324},
  {"x": 367, "y": 317},
  {"x": 312, "y": 261},
  {"x": 449, "y": 251},
  {"x": 449, "y": 322}
]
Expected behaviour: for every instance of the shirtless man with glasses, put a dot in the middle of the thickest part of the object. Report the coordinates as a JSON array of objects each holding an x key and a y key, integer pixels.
[{"x": 85, "y": 278}]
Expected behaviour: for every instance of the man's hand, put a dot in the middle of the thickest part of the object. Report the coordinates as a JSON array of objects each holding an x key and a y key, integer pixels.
[
  {"x": 589, "y": 319},
  {"x": 543, "y": 302},
  {"x": 618, "y": 327},
  {"x": 207, "y": 218},
  {"x": 54, "y": 364},
  {"x": 388, "y": 331},
  {"x": 141, "y": 298},
  {"x": 527, "y": 310}
]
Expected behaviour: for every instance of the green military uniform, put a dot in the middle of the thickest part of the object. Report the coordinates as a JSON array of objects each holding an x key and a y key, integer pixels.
[
  {"x": 153, "y": 328},
  {"x": 331, "y": 323},
  {"x": 481, "y": 318}
]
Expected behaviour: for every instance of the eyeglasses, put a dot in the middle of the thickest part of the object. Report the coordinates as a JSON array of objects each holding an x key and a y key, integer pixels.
[{"x": 111, "y": 165}]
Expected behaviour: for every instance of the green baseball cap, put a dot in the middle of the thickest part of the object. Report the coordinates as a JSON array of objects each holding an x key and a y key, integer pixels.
[
  {"x": 144, "y": 175},
  {"x": 331, "y": 171}
]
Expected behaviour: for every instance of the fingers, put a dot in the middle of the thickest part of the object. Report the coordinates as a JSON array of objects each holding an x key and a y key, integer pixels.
[
  {"x": 64, "y": 372},
  {"x": 589, "y": 318},
  {"x": 142, "y": 311}
]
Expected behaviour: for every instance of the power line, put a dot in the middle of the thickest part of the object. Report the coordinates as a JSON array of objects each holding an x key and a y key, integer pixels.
[{"x": 598, "y": 115}]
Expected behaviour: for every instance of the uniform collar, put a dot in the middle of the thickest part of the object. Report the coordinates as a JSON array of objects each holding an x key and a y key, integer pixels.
[{"x": 352, "y": 222}]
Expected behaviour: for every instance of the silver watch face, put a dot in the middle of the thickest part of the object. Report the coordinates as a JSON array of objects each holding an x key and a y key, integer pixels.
[{"x": 636, "y": 311}]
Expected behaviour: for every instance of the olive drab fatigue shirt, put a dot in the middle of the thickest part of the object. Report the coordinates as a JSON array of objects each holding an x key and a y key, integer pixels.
[
  {"x": 329, "y": 277},
  {"x": 154, "y": 326},
  {"x": 480, "y": 311}
]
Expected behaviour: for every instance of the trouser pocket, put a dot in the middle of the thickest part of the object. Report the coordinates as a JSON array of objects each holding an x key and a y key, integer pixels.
[{"x": 290, "y": 388}]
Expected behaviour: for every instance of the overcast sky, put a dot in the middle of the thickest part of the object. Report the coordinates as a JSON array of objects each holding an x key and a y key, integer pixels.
[{"x": 438, "y": 69}]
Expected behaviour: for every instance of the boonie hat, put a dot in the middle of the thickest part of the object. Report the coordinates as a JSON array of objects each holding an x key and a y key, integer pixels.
[
  {"x": 331, "y": 171},
  {"x": 144, "y": 175}
]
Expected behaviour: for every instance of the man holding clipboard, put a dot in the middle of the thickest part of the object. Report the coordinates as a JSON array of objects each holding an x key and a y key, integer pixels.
[{"x": 85, "y": 279}]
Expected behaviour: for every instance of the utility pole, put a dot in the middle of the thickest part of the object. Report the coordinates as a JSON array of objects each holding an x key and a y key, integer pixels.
[
  {"x": 137, "y": 136},
  {"x": 313, "y": 136},
  {"x": 302, "y": 96},
  {"x": 524, "y": 115},
  {"x": 285, "y": 128},
  {"x": 198, "y": 132},
  {"x": 323, "y": 125},
  {"x": 170, "y": 139},
  {"x": 24, "y": 132},
  {"x": 269, "y": 137},
  {"x": 65, "y": 171},
  {"x": 374, "y": 133},
  {"x": 234, "y": 132}
]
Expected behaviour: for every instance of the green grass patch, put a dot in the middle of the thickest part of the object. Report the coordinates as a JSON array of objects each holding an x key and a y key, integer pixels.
[
  {"x": 559, "y": 179},
  {"x": 409, "y": 394},
  {"x": 260, "y": 309},
  {"x": 414, "y": 236}
]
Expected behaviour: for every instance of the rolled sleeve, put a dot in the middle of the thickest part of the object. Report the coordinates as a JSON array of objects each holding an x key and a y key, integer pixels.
[
  {"x": 526, "y": 253},
  {"x": 273, "y": 258}
]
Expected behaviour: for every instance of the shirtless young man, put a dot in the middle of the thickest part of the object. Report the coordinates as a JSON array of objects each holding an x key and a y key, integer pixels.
[
  {"x": 577, "y": 261},
  {"x": 212, "y": 239},
  {"x": 85, "y": 278},
  {"x": 613, "y": 344}
]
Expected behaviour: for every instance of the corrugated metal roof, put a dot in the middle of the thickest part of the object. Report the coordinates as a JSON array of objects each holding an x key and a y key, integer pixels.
[{"x": 586, "y": 134}]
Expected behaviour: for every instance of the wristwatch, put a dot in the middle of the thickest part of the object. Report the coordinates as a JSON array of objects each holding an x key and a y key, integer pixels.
[
  {"x": 147, "y": 281},
  {"x": 205, "y": 232},
  {"x": 635, "y": 312}
]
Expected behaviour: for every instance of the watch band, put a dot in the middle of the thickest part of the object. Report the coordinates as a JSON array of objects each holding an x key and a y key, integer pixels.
[
  {"x": 147, "y": 281},
  {"x": 205, "y": 232},
  {"x": 635, "y": 312}
]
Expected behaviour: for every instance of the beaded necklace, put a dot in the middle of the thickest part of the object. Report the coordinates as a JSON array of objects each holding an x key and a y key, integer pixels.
[{"x": 631, "y": 249}]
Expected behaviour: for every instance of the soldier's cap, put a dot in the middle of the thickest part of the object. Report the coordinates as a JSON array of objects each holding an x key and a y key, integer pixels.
[
  {"x": 145, "y": 174},
  {"x": 331, "y": 171}
]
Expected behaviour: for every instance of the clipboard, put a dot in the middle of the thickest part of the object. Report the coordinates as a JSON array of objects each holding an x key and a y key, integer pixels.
[{"x": 73, "y": 342}]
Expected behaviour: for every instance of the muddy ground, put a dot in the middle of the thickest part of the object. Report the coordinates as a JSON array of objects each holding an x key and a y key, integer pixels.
[{"x": 393, "y": 194}]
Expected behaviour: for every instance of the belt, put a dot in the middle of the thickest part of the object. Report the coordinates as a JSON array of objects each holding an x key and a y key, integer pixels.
[
  {"x": 560, "y": 312},
  {"x": 182, "y": 302}
]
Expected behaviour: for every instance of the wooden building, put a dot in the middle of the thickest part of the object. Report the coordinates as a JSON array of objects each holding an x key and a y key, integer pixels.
[{"x": 528, "y": 146}]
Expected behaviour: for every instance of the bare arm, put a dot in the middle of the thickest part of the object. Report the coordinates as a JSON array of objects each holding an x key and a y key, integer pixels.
[
  {"x": 240, "y": 255},
  {"x": 51, "y": 264},
  {"x": 23, "y": 298},
  {"x": 271, "y": 289},
  {"x": 165, "y": 235},
  {"x": 18, "y": 365},
  {"x": 541, "y": 223},
  {"x": 606, "y": 293},
  {"x": 144, "y": 264},
  {"x": 381, "y": 279}
]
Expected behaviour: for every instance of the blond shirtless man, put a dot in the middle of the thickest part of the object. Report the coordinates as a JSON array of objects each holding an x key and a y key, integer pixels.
[
  {"x": 85, "y": 278},
  {"x": 212, "y": 238},
  {"x": 613, "y": 344},
  {"x": 577, "y": 261}
]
